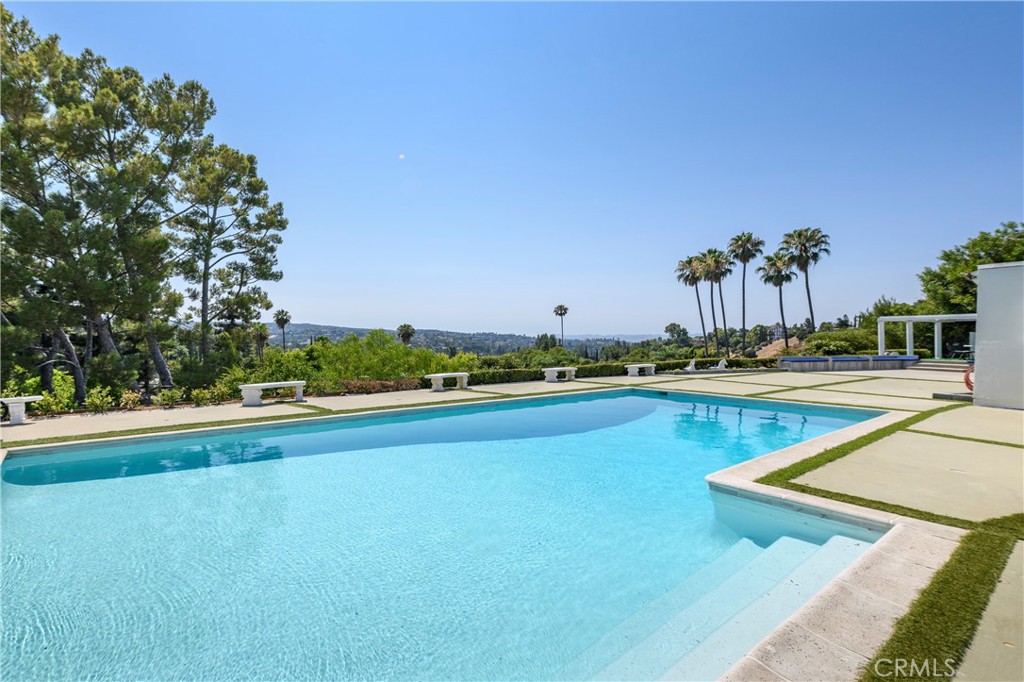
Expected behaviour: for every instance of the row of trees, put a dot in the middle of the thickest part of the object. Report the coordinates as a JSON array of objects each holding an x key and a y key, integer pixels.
[
  {"x": 112, "y": 187},
  {"x": 800, "y": 249}
]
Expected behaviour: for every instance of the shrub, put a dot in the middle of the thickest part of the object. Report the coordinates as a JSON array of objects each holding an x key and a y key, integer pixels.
[
  {"x": 130, "y": 400},
  {"x": 202, "y": 396},
  {"x": 324, "y": 386},
  {"x": 602, "y": 369},
  {"x": 497, "y": 376},
  {"x": 708, "y": 363},
  {"x": 61, "y": 399},
  {"x": 856, "y": 339},
  {"x": 370, "y": 386},
  {"x": 169, "y": 397},
  {"x": 98, "y": 400},
  {"x": 820, "y": 346}
]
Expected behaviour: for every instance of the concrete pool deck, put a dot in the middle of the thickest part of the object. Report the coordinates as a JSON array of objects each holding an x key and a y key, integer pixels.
[{"x": 930, "y": 467}]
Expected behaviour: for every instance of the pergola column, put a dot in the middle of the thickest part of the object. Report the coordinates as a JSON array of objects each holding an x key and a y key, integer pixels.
[
  {"x": 938, "y": 341},
  {"x": 910, "y": 338},
  {"x": 881, "y": 337}
]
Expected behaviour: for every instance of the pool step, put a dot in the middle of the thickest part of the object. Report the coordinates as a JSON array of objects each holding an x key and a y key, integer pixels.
[
  {"x": 688, "y": 628},
  {"x": 617, "y": 641},
  {"x": 716, "y": 654}
]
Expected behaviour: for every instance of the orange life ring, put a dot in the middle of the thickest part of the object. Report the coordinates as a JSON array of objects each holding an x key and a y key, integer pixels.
[{"x": 969, "y": 378}]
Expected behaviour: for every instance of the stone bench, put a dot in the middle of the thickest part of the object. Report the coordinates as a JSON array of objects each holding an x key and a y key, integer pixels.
[
  {"x": 551, "y": 373},
  {"x": 645, "y": 368},
  {"x": 437, "y": 380},
  {"x": 16, "y": 407},
  {"x": 252, "y": 394}
]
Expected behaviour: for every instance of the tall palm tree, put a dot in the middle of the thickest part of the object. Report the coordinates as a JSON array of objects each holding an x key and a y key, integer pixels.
[
  {"x": 719, "y": 266},
  {"x": 745, "y": 247},
  {"x": 281, "y": 319},
  {"x": 405, "y": 333},
  {"x": 562, "y": 311},
  {"x": 804, "y": 248},
  {"x": 260, "y": 335},
  {"x": 706, "y": 275},
  {"x": 776, "y": 271},
  {"x": 688, "y": 271}
]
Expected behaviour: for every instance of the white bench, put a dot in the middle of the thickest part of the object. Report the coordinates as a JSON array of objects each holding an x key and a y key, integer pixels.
[
  {"x": 634, "y": 370},
  {"x": 252, "y": 394},
  {"x": 551, "y": 373},
  {"x": 16, "y": 407},
  {"x": 437, "y": 380}
]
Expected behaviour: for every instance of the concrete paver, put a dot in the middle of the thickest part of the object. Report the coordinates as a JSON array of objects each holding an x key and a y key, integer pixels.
[
  {"x": 995, "y": 654},
  {"x": 393, "y": 398},
  {"x": 816, "y": 395},
  {"x": 527, "y": 387},
  {"x": 906, "y": 388},
  {"x": 973, "y": 481},
  {"x": 986, "y": 423},
  {"x": 629, "y": 381},
  {"x": 712, "y": 386},
  {"x": 85, "y": 424},
  {"x": 925, "y": 374},
  {"x": 796, "y": 379}
]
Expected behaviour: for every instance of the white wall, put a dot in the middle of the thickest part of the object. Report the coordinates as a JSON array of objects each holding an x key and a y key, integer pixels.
[{"x": 999, "y": 344}]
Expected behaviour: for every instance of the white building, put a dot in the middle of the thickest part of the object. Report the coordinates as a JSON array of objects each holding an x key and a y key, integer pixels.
[{"x": 999, "y": 344}]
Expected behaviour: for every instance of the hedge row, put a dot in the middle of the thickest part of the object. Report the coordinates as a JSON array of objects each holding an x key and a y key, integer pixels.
[
  {"x": 708, "y": 363},
  {"x": 603, "y": 369}
]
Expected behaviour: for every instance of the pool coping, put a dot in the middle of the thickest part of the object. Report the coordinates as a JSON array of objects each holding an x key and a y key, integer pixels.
[
  {"x": 818, "y": 636},
  {"x": 844, "y": 624}
]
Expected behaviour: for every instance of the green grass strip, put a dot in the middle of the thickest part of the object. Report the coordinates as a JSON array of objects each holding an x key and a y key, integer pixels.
[
  {"x": 307, "y": 406},
  {"x": 786, "y": 474},
  {"x": 942, "y": 621},
  {"x": 969, "y": 439}
]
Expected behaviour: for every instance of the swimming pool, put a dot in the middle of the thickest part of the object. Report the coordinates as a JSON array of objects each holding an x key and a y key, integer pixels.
[{"x": 563, "y": 537}]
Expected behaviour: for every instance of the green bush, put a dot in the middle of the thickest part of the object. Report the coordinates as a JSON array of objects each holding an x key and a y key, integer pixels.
[
  {"x": 61, "y": 399},
  {"x": 708, "y": 363},
  {"x": 371, "y": 386},
  {"x": 130, "y": 400},
  {"x": 202, "y": 397},
  {"x": 855, "y": 339},
  {"x": 169, "y": 397},
  {"x": 98, "y": 400},
  {"x": 826, "y": 347}
]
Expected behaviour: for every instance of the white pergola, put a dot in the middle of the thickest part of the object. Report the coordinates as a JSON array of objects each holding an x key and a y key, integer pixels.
[{"x": 909, "y": 320}]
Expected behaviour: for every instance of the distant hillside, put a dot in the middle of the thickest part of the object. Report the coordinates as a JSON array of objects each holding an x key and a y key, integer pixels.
[{"x": 482, "y": 343}]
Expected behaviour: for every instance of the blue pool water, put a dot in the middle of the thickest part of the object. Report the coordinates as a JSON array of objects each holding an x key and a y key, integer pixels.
[{"x": 476, "y": 542}]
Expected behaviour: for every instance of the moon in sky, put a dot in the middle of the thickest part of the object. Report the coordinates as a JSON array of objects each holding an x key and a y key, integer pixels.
[{"x": 401, "y": 157}]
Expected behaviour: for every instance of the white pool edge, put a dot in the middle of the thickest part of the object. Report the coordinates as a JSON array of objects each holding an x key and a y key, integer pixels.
[{"x": 842, "y": 626}]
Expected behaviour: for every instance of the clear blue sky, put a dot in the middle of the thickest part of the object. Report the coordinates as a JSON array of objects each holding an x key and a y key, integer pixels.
[{"x": 573, "y": 153}]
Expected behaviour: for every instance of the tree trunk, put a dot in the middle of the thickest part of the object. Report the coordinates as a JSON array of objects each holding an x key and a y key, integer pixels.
[
  {"x": 725, "y": 325},
  {"x": 87, "y": 357},
  {"x": 700, "y": 311},
  {"x": 106, "y": 337},
  {"x": 204, "y": 315},
  {"x": 46, "y": 369},
  {"x": 561, "y": 319},
  {"x": 714, "y": 320},
  {"x": 782, "y": 314},
  {"x": 71, "y": 359},
  {"x": 159, "y": 363},
  {"x": 743, "y": 313},
  {"x": 810, "y": 308}
]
